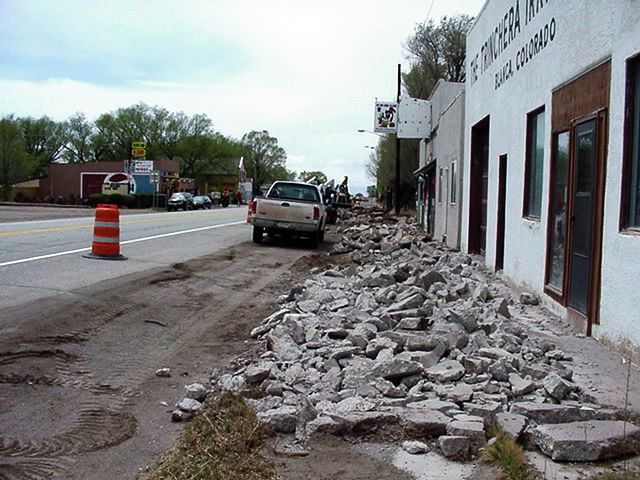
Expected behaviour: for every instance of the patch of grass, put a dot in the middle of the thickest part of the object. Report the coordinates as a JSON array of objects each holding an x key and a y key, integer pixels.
[
  {"x": 508, "y": 455},
  {"x": 221, "y": 443}
]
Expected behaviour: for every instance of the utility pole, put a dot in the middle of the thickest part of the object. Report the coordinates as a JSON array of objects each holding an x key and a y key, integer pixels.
[{"x": 396, "y": 193}]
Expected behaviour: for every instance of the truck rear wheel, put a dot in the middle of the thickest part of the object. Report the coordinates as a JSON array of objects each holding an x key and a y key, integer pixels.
[
  {"x": 316, "y": 238},
  {"x": 257, "y": 235}
]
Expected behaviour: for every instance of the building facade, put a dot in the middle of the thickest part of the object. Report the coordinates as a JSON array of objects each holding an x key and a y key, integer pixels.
[
  {"x": 79, "y": 181},
  {"x": 551, "y": 188},
  {"x": 440, "y": 164}
]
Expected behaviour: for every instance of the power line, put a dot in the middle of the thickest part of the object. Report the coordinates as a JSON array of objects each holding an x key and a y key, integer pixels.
[{"x": 429, "y": 12}]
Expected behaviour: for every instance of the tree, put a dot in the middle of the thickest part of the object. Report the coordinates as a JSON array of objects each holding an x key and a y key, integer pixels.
[
  {"x": 15, "y": 163},
  {"x": 320, "y": 177},
  {"x": 79, "y": 146},
  {"x": 381, "y": 167},
  {"x": 265, "y": 160},
  {"x": 117, "y": 130},
  {"x": 436, "y": 51},
  {"x": 43, "y": 140},
  {"x": 207, "y": 153}
]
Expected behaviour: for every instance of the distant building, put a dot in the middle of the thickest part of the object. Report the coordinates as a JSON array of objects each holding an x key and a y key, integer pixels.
[
  {"x": 81, "y": 180},
  {"x": 552, "y": 146},
  {"x": 440, "y": 161}
]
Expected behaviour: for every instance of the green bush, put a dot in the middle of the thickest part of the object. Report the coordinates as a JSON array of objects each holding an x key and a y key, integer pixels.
[
  {"x": 143, "y": 200},
  {"x": 117, "y": 199},
  {"x": 97, "y": 198}
]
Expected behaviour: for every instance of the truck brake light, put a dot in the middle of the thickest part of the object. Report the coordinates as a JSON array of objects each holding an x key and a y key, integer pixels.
[
  {"x": 253, "y": 205},
  {"x": 316, "y": 213}
]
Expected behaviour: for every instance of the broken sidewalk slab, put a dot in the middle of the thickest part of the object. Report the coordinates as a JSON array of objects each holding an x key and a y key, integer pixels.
[
  {"x": 512, "y": 424},
  {"x": 588, "y": 441},
  {"x": 547, "y": 413}
]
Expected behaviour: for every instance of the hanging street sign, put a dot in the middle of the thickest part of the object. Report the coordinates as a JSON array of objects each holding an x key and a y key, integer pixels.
[
  {"x": 414, "y": 118},
  {"x": 386, "y": 117}
]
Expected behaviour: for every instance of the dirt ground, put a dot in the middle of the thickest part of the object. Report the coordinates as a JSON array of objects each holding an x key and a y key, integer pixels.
[{"x": 79, "y": 398}]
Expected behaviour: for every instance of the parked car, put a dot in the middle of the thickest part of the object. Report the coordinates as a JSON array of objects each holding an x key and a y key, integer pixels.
[
  {"x": 179, "y": 200},
  {"x": 202, "y": 201}
]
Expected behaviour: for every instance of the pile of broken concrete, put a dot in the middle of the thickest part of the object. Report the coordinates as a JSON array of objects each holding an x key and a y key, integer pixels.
[{"x": 407, "y": 334}]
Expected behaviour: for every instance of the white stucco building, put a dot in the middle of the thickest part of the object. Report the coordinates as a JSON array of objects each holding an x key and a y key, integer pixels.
[
  {"x": 551, "y": 190},
  {"x": 440, "y": 164}
]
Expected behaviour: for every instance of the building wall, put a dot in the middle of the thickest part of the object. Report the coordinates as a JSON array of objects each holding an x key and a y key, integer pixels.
[
  {"x": 620, "y": 304},
  {"x": 584, "y": 35},
  {"x": 65, "y": 179},
  {"x": 447, "y": 116}
]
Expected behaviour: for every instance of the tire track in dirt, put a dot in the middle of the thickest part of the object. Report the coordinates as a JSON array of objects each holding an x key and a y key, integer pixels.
[{"x": 108, "y": 352}]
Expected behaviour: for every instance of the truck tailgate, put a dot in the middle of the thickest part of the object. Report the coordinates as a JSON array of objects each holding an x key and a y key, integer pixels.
[{"x": 285, "y": 210}]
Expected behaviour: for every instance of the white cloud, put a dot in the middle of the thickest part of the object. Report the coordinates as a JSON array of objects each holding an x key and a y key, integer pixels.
[{"x": 308, "y": 72}]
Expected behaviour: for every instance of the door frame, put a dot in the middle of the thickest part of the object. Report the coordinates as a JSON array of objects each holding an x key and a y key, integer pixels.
[
  {"x": 502, "y": 205},
  {"x": 475, "y": 234},
  {"x": 576, "y": 318},
  {"x": 582, "y": 98}
]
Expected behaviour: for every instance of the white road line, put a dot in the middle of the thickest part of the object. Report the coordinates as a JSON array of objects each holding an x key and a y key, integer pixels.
[{"x": 163, "y": 235}]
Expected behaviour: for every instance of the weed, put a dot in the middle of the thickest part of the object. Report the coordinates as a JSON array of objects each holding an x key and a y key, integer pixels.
[
  {"x": 506, "y": 452},
  {"x": 221, "y": 443}
]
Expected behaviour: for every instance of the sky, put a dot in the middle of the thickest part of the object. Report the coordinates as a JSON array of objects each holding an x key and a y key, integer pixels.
[{"x": 306, "y": 71}]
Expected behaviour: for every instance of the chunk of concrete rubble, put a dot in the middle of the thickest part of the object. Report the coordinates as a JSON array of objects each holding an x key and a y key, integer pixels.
[
  {"x": 232, "y": 383},
  {"x": 446, "y": 371},
  {"x": 520, "y": 386},
  {"x": 283, "y": 345},
  {"x": 180, "y": 415},
  {"x": 414, "y": 301},
  {"x": 424, "y": 423},
  {"x": 433, "y": 404},
  {"x": 503, "y": 308},
  {"x": 527, "y": 298},
  {"x": 473, "y": 430},
  {"x": 413, "y": 323},
  {"x": 460, "y": 393},
  {"x": 380, "y": 343},
  {"x": 257, "y": 373},
  {"x": 361, "y": 422},
  {"x": 414, "y": 447},
  {"x": 557, "y": 387},
  {"x": 455, "y": 446},
  {"x": 512, "y": 424},
  {"x": 467, "y": 319},
  {"x": 282, "y": 419},
  {"x": 396, "y": 368},
  {"x": 487, "y": 410},
  {"x": 549, "y": 413},
  {"x": 189, "y": 405},
  {"x": 163, "y": 372},
  {"x": 481, "y": 293},
  {"x": 196, "y": 391},
  {"x": 588, "y": 441},
  {"x": 425, "y": 280}
]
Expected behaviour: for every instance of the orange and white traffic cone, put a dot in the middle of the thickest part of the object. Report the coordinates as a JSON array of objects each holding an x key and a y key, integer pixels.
[{"x": 106, "y": 234}]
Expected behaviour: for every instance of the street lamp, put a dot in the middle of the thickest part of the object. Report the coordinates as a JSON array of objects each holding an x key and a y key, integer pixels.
[{"x": 362, "y": 130}]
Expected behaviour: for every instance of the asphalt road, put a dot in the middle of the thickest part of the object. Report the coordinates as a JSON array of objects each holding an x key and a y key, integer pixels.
[{"x": 44, "y": 258}]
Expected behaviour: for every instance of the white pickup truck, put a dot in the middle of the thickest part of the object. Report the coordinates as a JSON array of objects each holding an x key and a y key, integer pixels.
[{"x": 289, "y": 208}]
